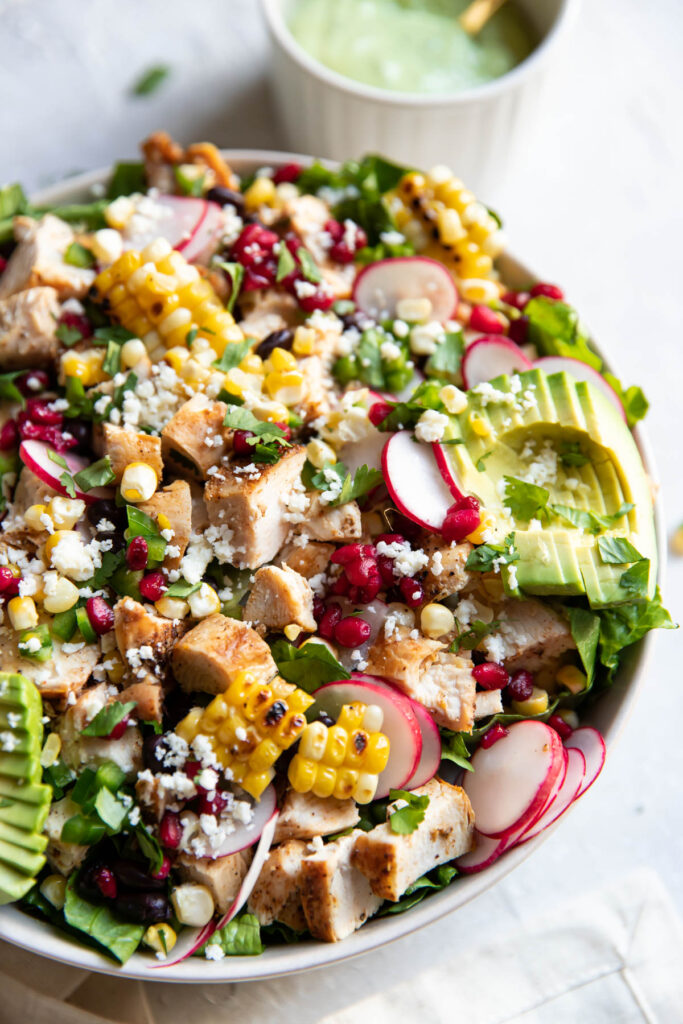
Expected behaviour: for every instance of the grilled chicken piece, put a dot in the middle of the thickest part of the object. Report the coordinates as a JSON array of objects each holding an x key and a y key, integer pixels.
[
  {"x": 487, "y": 702},
  {"x": 63, "y": 857},
  {"x": 341, "y": 525},
  {"x": 39, "y": 259},
  {"x": 30, "y": 490},
  {"x": 210, "y": 656},
  {"x": 280, "y": 597},
  {"x": 59, "y": 677},
  {"x": 80, "y": 751},
  {"x": 222, "y": 876},
  {"x": 28, "y": 321},
  {"x": 276, "y": 895},
  {"x": 391, "y": 862},
  {"x": 336, "y": 898},
  {"x": 425, "y": 670},
  {"x": 305, "y": 816},
  {"x": 309, "y": 561},
  {"x": 144, "y": 639},
  {"x": 149, "y": 700},
  {"x": 445, "y": 573},
  {"x": 273, "y": 310},
  {"x": 253, "y": 504},
  {"x": 195, "y": 439},
  {"x": 125, "y": 446},
  {"x": 174, "y": 502},
  {"x": 530, "y": 635}
]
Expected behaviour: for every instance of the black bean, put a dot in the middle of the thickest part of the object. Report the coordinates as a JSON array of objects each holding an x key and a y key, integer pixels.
[
  {"x": 277, "y": 339},
  {"x": 110, "y": 511},
  {"x": 86, "y": 886},
  {"x": 357, "y": 319},
  {"x": 134, "y": 876},
  {"x": 226, "y": 197},
  {"x": 82, "y": 432},
  {"x": 143, "y": 907},
  {"x": 153, "y": 752},
  {"x": 325, "y": 718}
]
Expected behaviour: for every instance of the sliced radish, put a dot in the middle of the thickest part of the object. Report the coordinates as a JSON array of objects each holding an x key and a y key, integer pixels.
[
  {"x": 482, "y": 856},
  {"x": 573, "y": 780},
  {"x": 245, "y": 836},
  {"x": 400, "y": 724},
  {"x": 447, "y": 472},
  {"x": 367, "y": 452},
  {"x": 414, "y": 481},
  {"x": 175, "y": 218},
  {"x": 490, "y": 357},
  {"x": 591, "y": 744},
  {"x": 380, "y": 286},
  {"x": 513, "y": 779},
  {"x": 205, "y": 236},
  {"x": 430, "y": 759},
  {"x": 36, "y": 455},
  {"x": 581, "y": 371}
]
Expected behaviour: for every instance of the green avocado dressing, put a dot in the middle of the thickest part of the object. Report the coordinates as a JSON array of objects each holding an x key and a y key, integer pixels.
[{"x": 413, "y": 46}]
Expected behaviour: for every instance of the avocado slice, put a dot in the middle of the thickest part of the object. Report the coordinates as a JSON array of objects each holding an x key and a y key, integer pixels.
[
  {"x": 521, "y": 426},
  {"x": 24, "y": 799}
]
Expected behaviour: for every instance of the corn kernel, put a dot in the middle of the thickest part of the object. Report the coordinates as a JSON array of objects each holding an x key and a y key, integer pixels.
[
  {"x": 132, "y": 352},
  {"x": 204, "y": 602},
  {"x": 318, "y": 453},
  {"x": 193, "y": 904},
  {"x": 351, "y": 716},
  {"x": 172, "y": 607},
  {"x": 22, "y": 613},
  {"x": 572, "y": 678},
  {"x": 677, "y": 542},
  {"x": 60, "y": 594},
  {"x": 454, "y": 400},
  {"x": 313, "y": 740},
  {"x": 325, "y": 779},
  {"x": 414, "y": 311},
  {"x": 366, "y": 787},
  {"x": 486, "y": 522},
  {"x": 260, "y": 193},
  {"x": 304, "y": 341},
  {"x": 292, "y": 631},
  {"x": 156, "y": 251},
  {"x": 139, "y": 482},
  {"x": 569, "y": 716},
  {"x": 163, "y": 522},
  {"x": 66, "y": 512},
  {"x": 53, "y": 888},
  {"x": 373, "y": 717},
  {"x": 286, "y": 387},
  {"x": 160, "y": 937},
  {"x": 176, "y": 357},
  {"x": 38, "y": 518},
  {"x": 252, "y": 363},
  {"x": 280, "y": 359},
  {"x": 51, "y": 750},
  {"x": 479, "y": 426},
  {"x": 119, "y": 212},
  {"x": 479, "y": 291},
  {"x": 301, "y": 774},
  {"x": 536, "y": 704},
  {"x": 107, "y": 245},
  {"x": 436, "y": 620},
  {"x": 116, "y": 669}
]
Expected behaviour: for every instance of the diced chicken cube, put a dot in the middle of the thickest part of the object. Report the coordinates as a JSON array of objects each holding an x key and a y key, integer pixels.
[
  {"x": 210, "y": 656},
  {"x": 91, "y": 751},
  {"x": 57, "y": 678},
  {"x": 28, "y": 321},
  {"x": 195, "y": 439},
  {"x": 341, "y": 525},
  {"x": 253, "y": 504},
  {"x": 487, "y": 702},
  {"x": 154, "y": 797},
  {"x": 309, "y": 561},
  {"x": 391, "y": 861},
  {"x": 30, "y": 490},
  {"x": 222, "y": 877},
  {"x": 63, "y": 857},
  {"x": 530, "y": 635},
  {"x": 274, "y": 310},
  {"x": 426, "y": 671},
  {"x": 144, "y": 639},
  {"x": 148, "y": 698},
  {"x": 336, "y": 897},
  {"x": 39, "y": 259},
  {"x": 175, "y": 503},
  {"x": 445, "y": 573},
  {"x": 280, "y": 597},
  {"x": 308, "y": 215},
  {"x": 126, "y": 446},
  {"x": 276, "y": 895},
  {"x": 304, "y": 816}
]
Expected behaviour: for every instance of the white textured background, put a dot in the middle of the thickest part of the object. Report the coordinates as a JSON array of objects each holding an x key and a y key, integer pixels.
[{"x": 596, "y": 208}]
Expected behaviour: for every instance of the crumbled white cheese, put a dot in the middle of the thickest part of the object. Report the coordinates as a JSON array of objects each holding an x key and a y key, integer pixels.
[
  {"x": 431, "y": 426},
  {"x": 406, "y": 561}
]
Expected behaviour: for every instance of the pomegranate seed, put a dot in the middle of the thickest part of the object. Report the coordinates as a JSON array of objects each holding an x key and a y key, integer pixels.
[
  {"x": 411, "y": 591},
  {"x": 165, "y": 869},
  {"x": 9, "y": 436},
  {"x": 340, "y": 587},
  {"x": 240, "y": 443},
  {"x": 335, "y": 229},
  {"x": 288, "y": 173},
  {"x": 40, "y": 412},
  {"x": 361, "y": 571},
  {"x": 386, "y": 569},
  {"x": 370, "y": 591},
  {"x": 320, "y": 299},
  {"x": 105, "y": 881},
  {"x": 349, "y": 553},
  {"x": 560, "y": 726},
  {"x": 119, "y": 729},
  {"x": 192, "y": 769},
  {"x": 318, "y": 608},
  {"x": 61, "y": 441},
  {"x": 516, "y": 299},
  {"x": 100, "y": 615},
  {"x": 217, "y": 803},
  {"x": 492, "y": 735},
  {"x": 521, "y": 685},
  {"x": 170, "y": 830},
  {"x": 491, "y": 676},
  {"x": 352, "y": 631},
  {"x": 379, "y": 412},
  {"x": 390, "y": 538},
  {"x": 468, "y": 501},
  {"x": 286, "y": 429},
  {"x": 344, "y": 251},
  {"x": 9, "y": 582},
  {"x": 518, "y": 330},
  {"x": 459, "y": 523},
  {"x": 550, "y": 291},
  {"x": 153, "y": 586},
  {"x": 3, "y": 264},
  {"x": 32, "y": 382},
  {"x": 486, "y": 320},
  {"x": 254, "y": 281},
  {"x": 137, "y": 554},
  {"x": 331, "y": 616}
]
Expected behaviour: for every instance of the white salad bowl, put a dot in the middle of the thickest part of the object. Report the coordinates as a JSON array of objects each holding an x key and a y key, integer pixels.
[
  {"x": 609, "y": 716},
  {"x": 478, "y": 130}
]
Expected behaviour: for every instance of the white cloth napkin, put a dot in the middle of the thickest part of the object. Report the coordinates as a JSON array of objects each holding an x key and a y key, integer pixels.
[{"x": 612, "y": 956}]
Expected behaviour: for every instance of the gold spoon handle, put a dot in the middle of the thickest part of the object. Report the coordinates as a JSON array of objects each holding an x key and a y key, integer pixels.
[{"x": 476, "y": 14}]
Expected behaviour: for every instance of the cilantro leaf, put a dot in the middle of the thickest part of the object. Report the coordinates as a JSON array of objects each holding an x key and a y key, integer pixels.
[
  {"x": 446, "y": 359},
  {"x": 67, "y": 482},
  {"x": 107, "y": 718},
  {"x": 488, "y": 557},
  {"x": 77, "y": 255},
  {"x": 58, "y": 459},
  {"x": 233, "y": 354},
  {"x": 617, "y": 551},
  {"x": 454, "y": 748},
  {"x": 150, "y": 848},
  {"x": 571, "y": 454},
  {"x": 239, "y": 418},
  {"x": 525, "y": 501},
  {"x": 99, "y": 474},
  {"x": 151, "y": 80},
  {"x": 633, "y": 400},
  {"x": 9, "y": 392},
  {"x": 235, "y": 272},
  {"x": 309, "y": 267},
  {"x": 481, "y": 462},
  {"x": 336, "y": 475},
  {"x": 404, "y": 415},
  {"x": 285, "y": 263},
  {"x": 590, "y": 521},
  {"x": 127, "y": 177},
  {"x": 68, "y": 335},
  {"x": 470, "y": 638},
  {"x": 406, "y": 819},
  {"x": 309, "y": 666},
  {"x": 553, "y": 327}
]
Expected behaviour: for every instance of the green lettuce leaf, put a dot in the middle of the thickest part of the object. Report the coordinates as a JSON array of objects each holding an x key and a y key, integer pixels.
[
  {"x": 308, "y": 667},
  {"x": 239, "y": 937},
  {"x": 119, "y": 938}
]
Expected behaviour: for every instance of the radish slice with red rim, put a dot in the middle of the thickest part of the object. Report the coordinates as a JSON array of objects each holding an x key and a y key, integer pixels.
[
  {"x": 581, "y": 371},
  {"x": 591, "y": 744},
  {"x": 380, "y": 286},
  {"x": 430, "y": 759},
  {"x": 39, "y": 458},
  {"x": 490, "y": 357},
  {"x": 400, "y": 724},
  {"x": 573, "y": 780},
  {"x": 447, "y": 472},
  {"x": 415, "y": 482},
  {"x": 367, "y": 452},
  {"x": 513, "y": 779},
  {"x": 206, "y": 234},
  {"x": 482, "y": 856},
  {"x": 175, "y": 218}
]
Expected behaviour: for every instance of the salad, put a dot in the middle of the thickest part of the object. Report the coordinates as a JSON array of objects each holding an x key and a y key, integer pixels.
[{"x": 318, "y": 539}]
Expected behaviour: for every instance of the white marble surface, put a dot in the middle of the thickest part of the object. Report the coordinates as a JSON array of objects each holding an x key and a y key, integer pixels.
[{"x": 597, "y": 208}]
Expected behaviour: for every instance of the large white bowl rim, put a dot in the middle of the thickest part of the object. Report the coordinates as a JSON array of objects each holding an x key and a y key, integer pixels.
[{"x": 609, "y": 715}]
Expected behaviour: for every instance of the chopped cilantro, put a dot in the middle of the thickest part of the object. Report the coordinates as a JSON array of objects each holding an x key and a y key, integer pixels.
[
  {"x": 285, "y": 263},
  {"x": 150, "y": 80},
  {"x": 107, "y": 718},
  {"x": 525, "y": 501},
  {"x": 445, "y": 360},
  {"x": 309, "y": 268},
  {"x": 571, "y": 454},
  {"x": 235, "y": 272},
  {"x": 488, "y": 557},
  {"x": 454, "y": 748},
  {"x": 233, "y": 354},
  {"x": 77, "y": 255},
  {"x": 68, "y": 335},
  {"x": 405, "y": 820},
  {"x": 481, "y": 461},
  {"x": 336, "y": 475},
  {"x": 99, "y": 474},
  {"x": 309, "y": 666},
  {"x": 590, "y": 521},
  {"x": 617, "y": 551}
]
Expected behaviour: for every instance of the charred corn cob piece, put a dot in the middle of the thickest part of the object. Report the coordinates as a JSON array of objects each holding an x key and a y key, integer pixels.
[
  {"x": 163, "y": 299},
  {"x": 343, "y": 760},
  {"x": 249, "y": 726},
  {"x": 444, "y": 220}
]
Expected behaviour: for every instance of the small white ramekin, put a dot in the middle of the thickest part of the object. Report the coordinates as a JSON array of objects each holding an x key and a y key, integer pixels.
[{"x": 476, "y": 132}]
